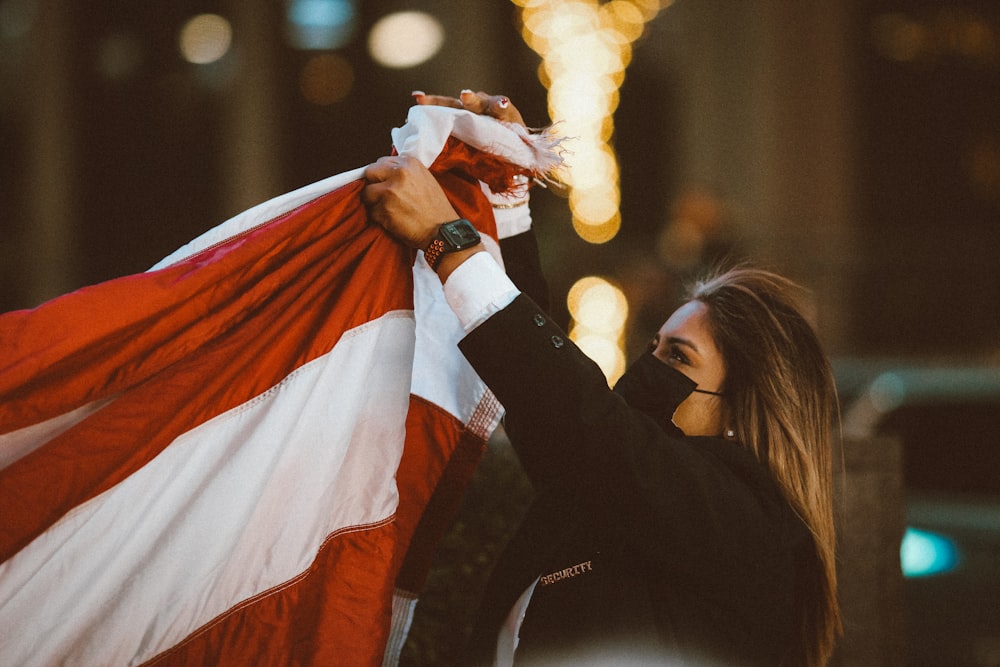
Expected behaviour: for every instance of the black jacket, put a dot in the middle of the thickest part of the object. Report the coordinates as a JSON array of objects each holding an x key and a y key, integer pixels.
[{"x": 650, "y": 549}]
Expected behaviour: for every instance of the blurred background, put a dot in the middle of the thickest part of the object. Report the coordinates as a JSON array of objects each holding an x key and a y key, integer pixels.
[{"x": 852, "y": 145}]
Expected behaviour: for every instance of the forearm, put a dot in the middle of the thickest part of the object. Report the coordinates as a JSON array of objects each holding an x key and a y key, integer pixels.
[{"x": 453, "y": 260}]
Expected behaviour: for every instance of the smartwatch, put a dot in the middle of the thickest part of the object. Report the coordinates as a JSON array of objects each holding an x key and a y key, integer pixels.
[{"x": 451, "y": 236}]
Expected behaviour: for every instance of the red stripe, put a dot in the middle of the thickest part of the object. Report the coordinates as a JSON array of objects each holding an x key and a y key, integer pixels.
[
  {"x": 324, "y": 617},
  {"x": 432, "y": 483},
  {"x": 441, "y": 452},
  {"x": 207, "y": 336},
  {"x": 105, "y": 339},
  {"x": 421, "y": 465}
]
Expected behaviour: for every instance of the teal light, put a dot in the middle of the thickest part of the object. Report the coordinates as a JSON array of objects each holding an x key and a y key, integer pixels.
[
  {"x": 924, "y": 554},
  {"x": 321, "y": 24}
]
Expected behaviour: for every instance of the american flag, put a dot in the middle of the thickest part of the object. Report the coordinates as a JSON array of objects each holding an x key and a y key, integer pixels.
[{"x": 247, "y": 454}]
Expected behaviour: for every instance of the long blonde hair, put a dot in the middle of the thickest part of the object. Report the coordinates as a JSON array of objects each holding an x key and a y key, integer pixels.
[{"x": 781, "y": 401}]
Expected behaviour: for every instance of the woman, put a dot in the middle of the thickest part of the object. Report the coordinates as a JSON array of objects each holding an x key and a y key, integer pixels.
[{"x": 683, "y": 518}]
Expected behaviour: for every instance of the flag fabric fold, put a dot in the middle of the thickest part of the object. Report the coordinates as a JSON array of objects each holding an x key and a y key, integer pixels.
[{"x": 231, "y": 459}]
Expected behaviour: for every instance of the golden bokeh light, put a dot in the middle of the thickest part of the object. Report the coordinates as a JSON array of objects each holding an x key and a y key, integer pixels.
[
  {"x": 597, "y": 233},
  {"x": 599, "y": 305},
  {"x": 585, "y": 47},
  {"x": 599, "y": 310},
  {"x": 405, "y": 39},
  {"x": 595, "y": 206},
  {"x": 606, "y": 353}
]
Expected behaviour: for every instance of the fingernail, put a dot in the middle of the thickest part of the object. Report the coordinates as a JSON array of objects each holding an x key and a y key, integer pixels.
[
  {"x": 418, "y": 93},
  {"x": 466, "y": 91},
  {"x": 503, "y": 103}
]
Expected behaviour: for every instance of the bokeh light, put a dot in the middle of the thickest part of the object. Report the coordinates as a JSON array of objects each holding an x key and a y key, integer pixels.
[
  {"x": 205, "y": 38},
  {"x": 606, "y": 353},
  {"x": 585, "y": 47},
  {"x": 948, "y": 32},
  {"x": 983, "y": 165},
  {"x": 321, "y": 24},
  {"x": 600, "y": 311},
  {"x": 405, "y": 39},
  {"x": 924, "y": 554},
  {"x": 898, "y": 37},
  {"x": 326, "y": 79}
]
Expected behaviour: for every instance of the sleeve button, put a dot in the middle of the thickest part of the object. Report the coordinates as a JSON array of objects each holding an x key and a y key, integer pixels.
[
  {"x": 539, "y": 320},
  {"x": 557, "y": 342}
]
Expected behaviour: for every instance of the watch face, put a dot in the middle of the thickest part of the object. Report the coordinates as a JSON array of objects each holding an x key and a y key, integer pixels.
[{"x": 460, "y": 234}]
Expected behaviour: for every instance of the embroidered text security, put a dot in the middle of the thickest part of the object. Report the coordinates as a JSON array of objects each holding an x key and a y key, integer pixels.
[{"x": 567, "y": 573}]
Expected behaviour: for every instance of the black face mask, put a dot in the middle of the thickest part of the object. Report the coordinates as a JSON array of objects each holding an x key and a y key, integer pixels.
[{"x": 656, "y": 389}]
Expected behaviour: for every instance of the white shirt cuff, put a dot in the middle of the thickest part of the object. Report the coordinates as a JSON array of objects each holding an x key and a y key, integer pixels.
[{"x": 477, "y": 289}]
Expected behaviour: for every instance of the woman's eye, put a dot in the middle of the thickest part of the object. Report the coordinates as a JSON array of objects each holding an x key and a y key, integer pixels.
[{"x": 678, "y": 356}]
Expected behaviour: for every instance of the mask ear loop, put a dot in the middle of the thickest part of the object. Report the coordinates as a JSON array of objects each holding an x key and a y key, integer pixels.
[{"x": 729, "y": 433}]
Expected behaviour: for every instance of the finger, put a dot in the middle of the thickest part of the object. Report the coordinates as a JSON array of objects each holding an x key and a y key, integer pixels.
[
  {"x": 505, "y": 110},
  {"x": 475, "y": 102},
  {"x": 436, "y": 100},
  {"x": 372, "y": 192},
  {"x": 373, "y": 197},
  {"x": 382, "y": 169},
  {"x": 497, "y": 106}
]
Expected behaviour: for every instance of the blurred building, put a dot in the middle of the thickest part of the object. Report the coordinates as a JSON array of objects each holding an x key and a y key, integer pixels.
[{"x": 852, "y": 145}]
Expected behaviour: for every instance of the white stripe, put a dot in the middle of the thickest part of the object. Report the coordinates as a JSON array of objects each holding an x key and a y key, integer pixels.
[
  {"x": 441, "y": 375},
  {"x": 232, "y": 508},
  {"x": 18, "y": 444}
]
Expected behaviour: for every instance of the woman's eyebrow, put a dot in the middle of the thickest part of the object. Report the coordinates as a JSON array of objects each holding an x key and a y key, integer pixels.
[{"x": 673, "y": 340}]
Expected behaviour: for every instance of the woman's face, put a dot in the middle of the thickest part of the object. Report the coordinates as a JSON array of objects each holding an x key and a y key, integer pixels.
[{"x": 685, "y": 342}]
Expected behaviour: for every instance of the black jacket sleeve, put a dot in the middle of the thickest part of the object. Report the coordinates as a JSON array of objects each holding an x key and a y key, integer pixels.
[{"x": 523, "y": 265}]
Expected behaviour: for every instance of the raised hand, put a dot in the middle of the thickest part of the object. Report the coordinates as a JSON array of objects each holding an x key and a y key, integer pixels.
[
  {"x": 497, "y": 106},
  {"x": 403, "y": 197}
]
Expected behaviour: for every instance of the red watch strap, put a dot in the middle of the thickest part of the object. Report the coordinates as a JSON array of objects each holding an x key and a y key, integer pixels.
[{"x": 434, "y": 253}]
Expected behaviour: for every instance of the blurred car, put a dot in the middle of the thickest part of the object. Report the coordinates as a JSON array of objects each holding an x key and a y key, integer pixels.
[{"x": 947, "y": 419}]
